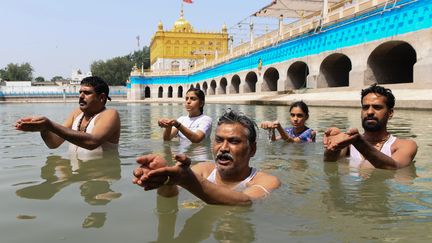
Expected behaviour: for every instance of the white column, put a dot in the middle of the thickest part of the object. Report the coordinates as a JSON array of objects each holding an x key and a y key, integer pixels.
[
  {"x": 251, "y": 32},
  {"x": 325, "y": 9}
]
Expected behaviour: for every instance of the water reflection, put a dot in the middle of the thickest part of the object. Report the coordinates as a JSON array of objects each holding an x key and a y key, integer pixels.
[
  {"x": 94, "y": 175},
  {"x": 364, "y": 192},
  {"x": 225, "y": 224}
]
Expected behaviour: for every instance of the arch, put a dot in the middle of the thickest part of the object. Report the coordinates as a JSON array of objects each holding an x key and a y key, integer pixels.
[
  {"x": 147, "y": 92},
  {"x": 205, "y": 87},
  {"x": 180, "y": 92},
  {"x": 391, "y": 63},
  {"x": 213, "y": 87},
  {"x": 160, "y": 92},
  {"x": 198, "y": 86},
  {"x": 235, "y": 84},
  {"x": 297, "y": 74},
  {"x": 271, "y": 77},
  {"x": 223, "y": 85},
  {"x": 191, "y": 86},
  {"x": 175, "y": 65},
  {"x": 334, "y": 70},
  {"x": 250, "y": 82},
  {"x": 170, "y": 92}
]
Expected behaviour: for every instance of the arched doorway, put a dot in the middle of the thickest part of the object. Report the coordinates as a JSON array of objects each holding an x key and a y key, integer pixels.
[
  {"x": 160, "y": 92},
  {"x": 147, "y": 92},
  {"x": 271, "y": 77},
  {"x": 297, "y": 74},
  {"x": 334, "y": 70},
  {"x": 391, "y": 63},
  {"x": 212, "y": 87},
  {"x": 180, "y": 92},
  {"x": 170, "y": 92},
  {"x": 250, "y": 82},
  {"x": 205, "y": 87},
  {"x": 235, "y": 85},
  {"x": 223, "y": 85}
]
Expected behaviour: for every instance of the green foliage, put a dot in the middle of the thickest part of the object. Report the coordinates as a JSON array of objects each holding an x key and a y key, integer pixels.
[
  {"x": 141, "y": 57},
  {"x": 16, "y": 72},
  {"x": 116, "y": 71},
  {"x": 57, "y": 78},
  {"x": 40, "y": 79}
]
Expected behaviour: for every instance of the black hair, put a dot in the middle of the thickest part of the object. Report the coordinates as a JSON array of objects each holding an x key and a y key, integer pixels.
[
  {"x": 376, "y": 89},
  {"x": 231, "y": 117},
  {"x": 302, "y": 106},
  {"x": 99, "y": 85},
  {"x": 201, "y": 96}
]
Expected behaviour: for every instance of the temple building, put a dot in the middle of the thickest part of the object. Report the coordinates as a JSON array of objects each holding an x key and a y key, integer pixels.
[{"x": 181, "y": 48}]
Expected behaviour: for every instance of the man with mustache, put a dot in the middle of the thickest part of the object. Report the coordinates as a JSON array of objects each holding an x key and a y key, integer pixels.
[
  {"x": 91, "y": 126},
  {"x": 228, "y": 180},
  {"x": 376, "y": 147}
]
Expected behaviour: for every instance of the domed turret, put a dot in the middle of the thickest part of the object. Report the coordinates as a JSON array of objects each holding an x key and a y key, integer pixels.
[
  {"x": 160, "y": 26},
  {"x": 182, "y": 25},
  {"x": 224, "y": 29}
]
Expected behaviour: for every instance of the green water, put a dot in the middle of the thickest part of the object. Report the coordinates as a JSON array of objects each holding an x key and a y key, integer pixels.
[{"x": 50, "y": 196}]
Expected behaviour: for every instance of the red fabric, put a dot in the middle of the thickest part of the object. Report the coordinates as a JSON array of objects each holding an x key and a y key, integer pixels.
[{"x": 187, "y": 1}]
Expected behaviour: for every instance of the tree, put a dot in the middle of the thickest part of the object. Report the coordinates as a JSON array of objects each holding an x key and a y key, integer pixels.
[
  {"x": 141, "y": 57},
  {"x": 57, "y": 78},
  {"x": 116, "y": 71},
  {"x": 16, "y": 72},
  {"x": 40, "y": 79}
]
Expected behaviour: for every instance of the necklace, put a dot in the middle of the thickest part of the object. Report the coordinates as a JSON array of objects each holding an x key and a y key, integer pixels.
[
  {"x": 80, "y": 121},
  {"x": 89, "y": 120},
  {"x": 381, "y": 143}
]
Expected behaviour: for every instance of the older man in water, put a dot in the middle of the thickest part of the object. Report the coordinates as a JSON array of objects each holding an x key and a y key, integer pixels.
[
  {"x": 229, "y": 180},
  {"x": 90, "y": 126},
  {"x": 376, "y": 147}
]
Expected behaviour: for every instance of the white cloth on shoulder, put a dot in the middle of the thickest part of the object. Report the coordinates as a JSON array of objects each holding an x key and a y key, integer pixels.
[{"x": 86, "y": 154}]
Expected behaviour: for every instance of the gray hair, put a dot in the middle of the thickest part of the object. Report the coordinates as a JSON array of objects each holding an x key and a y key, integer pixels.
[{"x": 231, "y": 117}]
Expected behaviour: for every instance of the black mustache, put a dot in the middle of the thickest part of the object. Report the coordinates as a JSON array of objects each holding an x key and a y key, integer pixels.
[
  {"x": 224, "y": 156},
  {"x": 370, "y": 118}
]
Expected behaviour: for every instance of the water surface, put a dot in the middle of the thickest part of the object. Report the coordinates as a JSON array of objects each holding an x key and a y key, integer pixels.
[{"x": 51, "y": 196}]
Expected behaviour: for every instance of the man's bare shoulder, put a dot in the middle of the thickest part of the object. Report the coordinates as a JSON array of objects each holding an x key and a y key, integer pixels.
[
  {"x": 110, "y": 112},
  {"x": 267, "y": 180},
  {"x": 204, "y": 169},
  {"x": 405, "y": 143},
  {"x": 109, "y": 115}
]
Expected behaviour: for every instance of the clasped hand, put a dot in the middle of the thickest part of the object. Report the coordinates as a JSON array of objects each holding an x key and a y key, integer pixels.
[
  {"x": 32, "y": 124},
  {"x": 269, "y": 125},
  {"x": 165, "y": 122},
  {"x": 335, "y": 139},
  {"x": 153, "y": 171}
]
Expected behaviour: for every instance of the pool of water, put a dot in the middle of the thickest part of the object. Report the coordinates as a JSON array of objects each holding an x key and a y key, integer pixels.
[{"x": 51, "y": 196}]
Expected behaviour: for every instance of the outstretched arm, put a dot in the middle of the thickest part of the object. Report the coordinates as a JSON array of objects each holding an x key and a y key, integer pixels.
[
  {"x": 402, "y": 156},
  {"x": 53, "y": 134},
  {"x": 190, "y": 179},
  {"x": 170, "y": 132},
  {"x": 41, "y": 124}
]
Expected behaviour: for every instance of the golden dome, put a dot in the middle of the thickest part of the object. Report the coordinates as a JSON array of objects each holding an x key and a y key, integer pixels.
[{"x": 182, "y": 25}]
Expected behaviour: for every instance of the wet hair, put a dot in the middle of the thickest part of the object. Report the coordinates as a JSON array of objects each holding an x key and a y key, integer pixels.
[
  {"x": 99, "y": 85},
  {"x": 201, "y": 96},
  {"x": 232, "y": 117},
  {"x": 302, "y": 106},
  {"x": 376, "y": 89}
]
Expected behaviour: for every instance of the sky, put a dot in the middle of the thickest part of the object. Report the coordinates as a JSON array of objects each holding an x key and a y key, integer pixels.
[{"x": 59, "y": 36}]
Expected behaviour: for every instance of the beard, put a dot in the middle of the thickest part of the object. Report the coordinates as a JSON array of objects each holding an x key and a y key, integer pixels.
[{"x": 371, "y": 127}]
